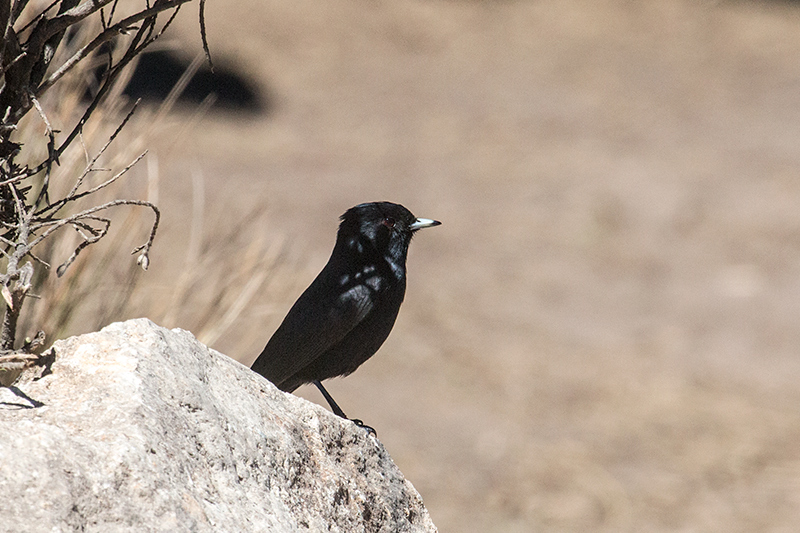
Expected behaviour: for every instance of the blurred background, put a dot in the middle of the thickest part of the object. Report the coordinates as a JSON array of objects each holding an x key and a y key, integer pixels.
[{"x": 603, "y": 334}]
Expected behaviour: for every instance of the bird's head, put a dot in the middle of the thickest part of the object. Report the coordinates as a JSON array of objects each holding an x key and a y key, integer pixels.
[{"x": 381, "y": 228}]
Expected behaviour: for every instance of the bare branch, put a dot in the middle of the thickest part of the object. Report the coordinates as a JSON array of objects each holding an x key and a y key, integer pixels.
[
  {"x": 25, "y": 357},
  {"x": 97, "y": 234},
  {"x": 81, "y": 226},
  {"x": 39, "y": 17},
  {"x": 30, "y": 64},
  {"x": 7, "y": 23},
  {"x": 113, "y": 10},
  {"x": 17, "y": 361},
  {"x": 12, "y": 62},
  {"x": 20, "y": 207},
  {"x": 38, "y": 260},
  {"x": 90, "y": 165},
  {"x": 51, "y": 151},
  {"x": 77, "y": 196},
  {"x": 203, "y": 33},
  {"x": 19, "y": 5},
  {"x": 15, "y": 179},
  {"x": 72, "y": 16},
  {"x": 58, "y": 224},
  {"x": 142, "y": 39},
  {"x": 112, "y": 31}
]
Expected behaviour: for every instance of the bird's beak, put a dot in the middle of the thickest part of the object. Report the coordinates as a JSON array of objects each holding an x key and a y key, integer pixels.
[{"x": 423, "y": 223}]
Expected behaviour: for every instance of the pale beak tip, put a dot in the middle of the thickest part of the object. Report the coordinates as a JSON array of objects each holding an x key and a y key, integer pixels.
[{"x": 421, "y": 223}]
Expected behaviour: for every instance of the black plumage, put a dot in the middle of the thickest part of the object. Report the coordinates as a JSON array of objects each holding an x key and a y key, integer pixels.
[{"x": 347, "y": 312}]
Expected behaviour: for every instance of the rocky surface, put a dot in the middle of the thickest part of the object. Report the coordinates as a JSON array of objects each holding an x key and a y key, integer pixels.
[{"x": 140, "y": 428}]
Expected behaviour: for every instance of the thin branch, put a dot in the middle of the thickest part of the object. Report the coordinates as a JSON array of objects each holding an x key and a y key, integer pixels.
[
  {"x": 39, "y": 17},
  {"x": 113, "y": 10},
  {"x": 25, "y": 357},
  {"x": 136, "y": 46},
  {"x": 149, "y": 243},
  {"x": 44, "y": 119},
  {"x": 51, "y": 151},
  {"x": 38, "y": 260},
  {"x": 112, "y": 31},
  {"x": 20, "y": 206},
  {"x": 19, "y": 5},
  {"x": 97, "y": 234},
  {"x": 15, "y": 179},
  {"x": 71, "y": 16},
  {"x": 7, "y": 23},
  {"x": 17, "y": 361},
  {"x": 203, "y": 33},
  {"x": 73, "y": 197},
  {"x": 12, "y": 62},
  {"x": 80, "y": 225},
  {"x": 90, "y": 165},
  {"x": 58, "y": 224}
]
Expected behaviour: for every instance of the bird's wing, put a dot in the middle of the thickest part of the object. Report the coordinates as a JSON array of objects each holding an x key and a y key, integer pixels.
[{"x": 313, "y": 324}]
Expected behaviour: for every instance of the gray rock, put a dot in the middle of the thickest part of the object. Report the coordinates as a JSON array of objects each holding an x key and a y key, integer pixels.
[{"x": 140, "y": 428}]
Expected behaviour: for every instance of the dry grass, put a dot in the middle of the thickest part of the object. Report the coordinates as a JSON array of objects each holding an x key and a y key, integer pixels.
[
  {"x": 105, "y": 284},
  {"x": 206, "y": 295}
]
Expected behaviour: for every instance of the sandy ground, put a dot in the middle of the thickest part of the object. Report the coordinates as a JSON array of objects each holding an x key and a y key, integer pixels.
[{"x": 603, "y": 335}]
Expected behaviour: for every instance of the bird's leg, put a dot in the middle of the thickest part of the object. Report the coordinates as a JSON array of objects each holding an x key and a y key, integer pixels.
[
  {"x": 334, "y": 406},
  {"x": 338, "y": 410}
]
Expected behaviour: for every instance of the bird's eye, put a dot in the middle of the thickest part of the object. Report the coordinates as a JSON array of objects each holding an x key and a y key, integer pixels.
[{"x": 389, "y": 222}]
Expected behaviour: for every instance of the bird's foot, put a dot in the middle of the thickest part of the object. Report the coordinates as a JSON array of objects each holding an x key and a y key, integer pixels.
[
  {"x": 361, "y": 424},
  {"x": 338, "y": 410}
]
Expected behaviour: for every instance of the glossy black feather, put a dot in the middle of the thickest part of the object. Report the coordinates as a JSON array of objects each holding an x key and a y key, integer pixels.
[{"x": 347, "y": 312}]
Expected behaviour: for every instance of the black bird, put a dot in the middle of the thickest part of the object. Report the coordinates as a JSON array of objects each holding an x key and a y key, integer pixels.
[{"x": 347, "y": 312}]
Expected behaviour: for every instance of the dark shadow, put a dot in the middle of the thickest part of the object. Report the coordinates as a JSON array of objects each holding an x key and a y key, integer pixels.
[
  {"x": 32, "y": 404},
  {"x": 157, "y": 73},
  {"x": 46, "y": 361}
]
